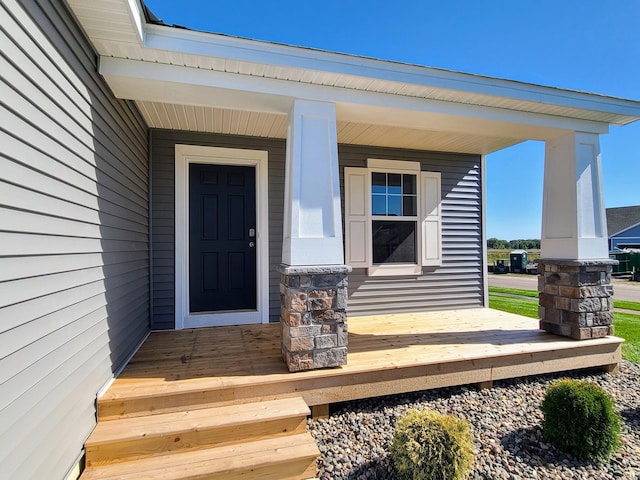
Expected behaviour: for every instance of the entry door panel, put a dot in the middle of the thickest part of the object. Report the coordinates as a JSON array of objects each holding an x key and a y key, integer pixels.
[{"x": 222, "y": 250}]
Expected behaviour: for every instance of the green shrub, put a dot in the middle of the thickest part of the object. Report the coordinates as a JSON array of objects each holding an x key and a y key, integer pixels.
[
  {"x": 580, "y": 418},
  {"x": 430, "y": 446}
]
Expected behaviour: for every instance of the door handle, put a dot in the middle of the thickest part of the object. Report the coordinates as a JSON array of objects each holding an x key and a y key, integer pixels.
[{"x": 252, "y": 244}]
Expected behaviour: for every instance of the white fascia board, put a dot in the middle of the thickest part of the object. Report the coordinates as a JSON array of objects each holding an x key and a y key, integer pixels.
[
  {"x": 138, "y": 19},
  {"x": 164, "y": 91},
  {"x": 245, "y": 50},
  {"x": 139, "y": 80}
]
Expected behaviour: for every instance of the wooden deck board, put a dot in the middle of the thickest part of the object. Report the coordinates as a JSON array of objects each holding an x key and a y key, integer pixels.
[{"x": 387, "y": 354}]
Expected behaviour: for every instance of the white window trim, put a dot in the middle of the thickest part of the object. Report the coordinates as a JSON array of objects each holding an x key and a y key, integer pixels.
[
  {"x": 186, "y": 154},
  {"x": 358, "y": 218},
  {"x": 393, "y": 165}
]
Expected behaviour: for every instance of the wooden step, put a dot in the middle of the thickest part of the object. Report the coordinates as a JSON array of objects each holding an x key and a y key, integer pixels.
[
  {"x": 199, "y": 396},
  {"x": 130, "y": 438},
  {"x": 281, "y": 458}
]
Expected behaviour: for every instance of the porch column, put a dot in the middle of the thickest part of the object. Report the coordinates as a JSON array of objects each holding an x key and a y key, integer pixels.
[
  {"x": 313, "y": 277},
  {"x": 574, "y": 273}
]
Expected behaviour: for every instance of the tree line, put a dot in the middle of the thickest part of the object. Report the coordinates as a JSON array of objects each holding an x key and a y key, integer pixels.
[{"x": 529, "y": 244}]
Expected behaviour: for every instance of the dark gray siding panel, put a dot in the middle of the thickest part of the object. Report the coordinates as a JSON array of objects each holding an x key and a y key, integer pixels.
[
  {"x": 458, "y": 282},
  {"x": 163, "y": 156},
  {"x": 74, "y": 269}
]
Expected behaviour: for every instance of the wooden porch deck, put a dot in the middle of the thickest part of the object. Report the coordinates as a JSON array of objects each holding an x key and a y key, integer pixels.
[
  {"x": 177, "y": 370},
  {"x": 219, "y": 403}
]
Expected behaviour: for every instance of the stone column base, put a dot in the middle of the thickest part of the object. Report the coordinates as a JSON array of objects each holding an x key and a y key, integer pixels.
[
  {"x": 576, "y": 297},
  {"x": 313, "y": 316}
]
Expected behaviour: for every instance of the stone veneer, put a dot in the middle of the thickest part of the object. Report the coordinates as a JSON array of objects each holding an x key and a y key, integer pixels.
[
  {"x": 576, "y": 297},
  {"x": 313, "y": 317}
]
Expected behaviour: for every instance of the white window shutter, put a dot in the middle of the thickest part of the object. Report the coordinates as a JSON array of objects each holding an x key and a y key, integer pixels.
[
  {"x": 431, "y": 216},
  {"x": 357, "y": 219}
]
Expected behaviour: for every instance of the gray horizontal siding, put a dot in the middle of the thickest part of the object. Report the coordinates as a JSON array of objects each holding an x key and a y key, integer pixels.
[
  {"x": 163, "y": 155},
  {"x": 458, "y": 282},
  {"x": 74, "y": 259}
]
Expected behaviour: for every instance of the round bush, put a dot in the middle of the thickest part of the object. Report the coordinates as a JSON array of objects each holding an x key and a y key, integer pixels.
[
  {"x": 580, "y": 418},
  {"x": 430, "y": 446}
]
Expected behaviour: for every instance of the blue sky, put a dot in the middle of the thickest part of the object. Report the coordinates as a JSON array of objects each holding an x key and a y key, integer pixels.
[{"x": 588, "y": 45}]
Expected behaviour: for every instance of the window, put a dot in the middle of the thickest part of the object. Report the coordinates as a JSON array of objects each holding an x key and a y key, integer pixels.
[
  {"x": 392, "y": 217},
  {"x": 394, "y": 213},
  {"x": 393, "y": 194}
]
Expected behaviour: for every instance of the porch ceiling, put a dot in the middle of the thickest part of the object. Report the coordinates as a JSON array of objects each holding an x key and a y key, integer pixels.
[{"x": 271, "y": 125}]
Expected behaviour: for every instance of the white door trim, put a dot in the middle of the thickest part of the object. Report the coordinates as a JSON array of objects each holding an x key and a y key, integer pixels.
[{"x": 186, "y": 154}]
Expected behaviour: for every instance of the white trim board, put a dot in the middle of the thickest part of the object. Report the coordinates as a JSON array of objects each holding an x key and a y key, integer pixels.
[
  {"x": 186, "y": 154},
  {"x": 483, "y": 216},
  {"x": 291, "y": 59},
  {"x": 155, "y": 82}
]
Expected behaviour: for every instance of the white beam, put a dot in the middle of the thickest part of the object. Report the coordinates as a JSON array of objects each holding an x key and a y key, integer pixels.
[
  {"x": 139, "y": 80},
  {"x": 574, "y": 225},
  {"x": 312, "y": 215}
]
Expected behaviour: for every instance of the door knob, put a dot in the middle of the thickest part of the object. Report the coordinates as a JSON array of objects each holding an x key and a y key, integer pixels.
[{"x": 252, "y": 244}]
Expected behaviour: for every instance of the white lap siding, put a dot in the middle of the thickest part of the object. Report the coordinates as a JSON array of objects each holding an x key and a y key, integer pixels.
[{"x": 74, "y": 269}]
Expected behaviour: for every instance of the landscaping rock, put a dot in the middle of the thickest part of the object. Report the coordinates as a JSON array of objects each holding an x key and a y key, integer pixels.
[{"x": 505, "y": 422}]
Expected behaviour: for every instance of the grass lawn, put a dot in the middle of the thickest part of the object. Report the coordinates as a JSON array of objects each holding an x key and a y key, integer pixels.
[
  {"x": 626, "y": 325},
  {"x": 520, "y": 306},
  {"x": 514, "y": 291},
  {"x": 627, "y": 305}
]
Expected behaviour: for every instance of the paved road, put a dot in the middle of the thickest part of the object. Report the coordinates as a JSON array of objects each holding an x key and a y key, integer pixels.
[{"x": 622, "y": 289}]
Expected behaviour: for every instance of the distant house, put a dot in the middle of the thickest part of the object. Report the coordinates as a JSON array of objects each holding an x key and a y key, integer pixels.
[
  {"x": 623, "y": 227},
  {"x": 158, "y": 178}
]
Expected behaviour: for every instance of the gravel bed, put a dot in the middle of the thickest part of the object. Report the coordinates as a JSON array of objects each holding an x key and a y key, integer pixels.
[{"x": 506, "y": 425}]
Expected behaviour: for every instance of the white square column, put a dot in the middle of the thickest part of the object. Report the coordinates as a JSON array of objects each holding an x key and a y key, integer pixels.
[
  {"x": 312, "y": 216},
  {"x": 574, "y": 273},
  {"x": 313, "y": 277},
  {"x": 574, "y": 224}
]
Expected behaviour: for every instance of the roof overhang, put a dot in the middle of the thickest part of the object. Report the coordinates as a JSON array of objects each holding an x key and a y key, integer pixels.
[{"x": 199, "y": 81}]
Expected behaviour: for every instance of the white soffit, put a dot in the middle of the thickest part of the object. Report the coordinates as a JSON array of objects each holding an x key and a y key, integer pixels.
[
  {"x": 110, "y": 24},
  {"x": 213, "y": 120},
  {"x": 117, "y": 29},
  {"x": 270, "y": 125}
]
